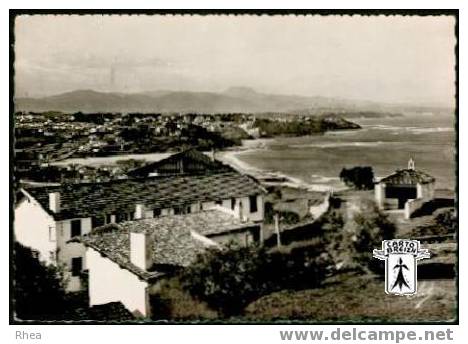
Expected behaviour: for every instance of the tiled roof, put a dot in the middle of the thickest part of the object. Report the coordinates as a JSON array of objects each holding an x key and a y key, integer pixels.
[
  {"x": 408, "y": 177},
  {"x": 173, "y": 244},
  {"x": 187, "y": 156},
  {"x": 121, "y": 196}
]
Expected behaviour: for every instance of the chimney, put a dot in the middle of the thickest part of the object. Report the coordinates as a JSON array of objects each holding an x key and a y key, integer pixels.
[
  {"x": 141, "y": 249},
  {"x": 54, "y": 202},
  {"x": 140, "y": 210},
  {"x": 213, "y": 155},
  {"x": 411, "y": 164}
]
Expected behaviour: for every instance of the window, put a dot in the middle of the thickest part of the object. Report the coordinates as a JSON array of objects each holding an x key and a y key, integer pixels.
[
  {"x": 253, "y": 204},
  {"x": 156, "y": 212},
  {"x": 233, "y": 203},
  {"x": 177, "y": 210},
  {"x": 219, "y": 202},
  {"x": 75, "y": 228},
  {"x": 121, "y": 217},
  {"x": 52, "y": 234},
  {"x": 76, "y": 266},
  {"x": 188, "y": 210},
  {"x": 97, "y": 221}
]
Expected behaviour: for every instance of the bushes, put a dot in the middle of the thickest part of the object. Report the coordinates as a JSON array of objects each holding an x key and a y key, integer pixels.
[
  {"x": 38, "y": 289},
  {"x": 359, "y": 177},
  {"x": 365, "y": 232},
  {"x": 174, "y": 303},
  {"x": 228, "y": 280},
  {"x": 447, "y": 221},
  {"x": 444, "y": 223},
  {"x": 287, "y": 217},
  {"x": 350, "y": 242}
]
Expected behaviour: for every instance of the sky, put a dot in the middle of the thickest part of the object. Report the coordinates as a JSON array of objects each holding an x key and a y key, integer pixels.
[{"x": 380, "y": 58}]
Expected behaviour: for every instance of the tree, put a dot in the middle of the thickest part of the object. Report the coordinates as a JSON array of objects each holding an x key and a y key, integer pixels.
[
  {"x": 350, "y": 241},
  {"x": 229, "y": 279},
  {"x": 368, "y": 228},
  {"x": 359, "y": 177},
  {"x": 38, "y": 290}
]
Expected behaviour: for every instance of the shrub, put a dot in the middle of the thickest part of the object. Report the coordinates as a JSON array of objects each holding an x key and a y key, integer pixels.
[
  {"x": 38, "y": 289},
  {"x": 444, "y": 223},
  {"x": 368, "y": 228},
  {"x": 447, "y": 220},
  {"x": 287, "y": 217},
  {"x": 174, "y": 303},
  {"x": 230, "y": 279},
  {"x": 359, "y": 177},
  {"x": 350, "y": 243}
]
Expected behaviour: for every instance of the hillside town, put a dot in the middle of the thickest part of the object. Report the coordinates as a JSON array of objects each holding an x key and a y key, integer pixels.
[
  {"x": 142, "y": 229},
  {"x": 237, "y": 169}
]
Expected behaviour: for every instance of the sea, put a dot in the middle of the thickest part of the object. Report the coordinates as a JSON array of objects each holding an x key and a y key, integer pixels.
[{"x": 385, "y": 144}]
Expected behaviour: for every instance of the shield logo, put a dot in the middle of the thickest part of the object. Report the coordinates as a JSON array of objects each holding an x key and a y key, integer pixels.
[{"x": 401, "y": 256}]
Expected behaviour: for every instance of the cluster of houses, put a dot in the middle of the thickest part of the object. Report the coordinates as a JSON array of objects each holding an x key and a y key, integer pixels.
[
  {"x": 126, "y": 235},
  {"x": 66, "y": 134},
  {"x": 122, "y": 237}
]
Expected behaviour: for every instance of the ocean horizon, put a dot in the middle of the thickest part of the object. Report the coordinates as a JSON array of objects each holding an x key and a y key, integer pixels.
[{"x": 385, "y": 144}]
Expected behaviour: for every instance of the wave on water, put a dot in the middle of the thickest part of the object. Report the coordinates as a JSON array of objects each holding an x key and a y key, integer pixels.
[
  {"x": 318, "y": 183},
  {"x": 322, "y": 179},
  {"x": 339, "y": 144},
  {"x": 415, "y": 130},
  {"x": 431, "y": 130}
]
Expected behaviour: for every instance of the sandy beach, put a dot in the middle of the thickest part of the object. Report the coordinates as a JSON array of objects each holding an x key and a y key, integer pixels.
[{"x": 232, "y": 158}]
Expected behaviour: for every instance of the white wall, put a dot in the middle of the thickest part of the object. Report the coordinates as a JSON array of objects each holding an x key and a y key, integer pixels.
[
  {"x": 31, "y": 227},
  {"x": 208, "y": 205},
  {"x": 426, "y": 191},
  {"x": 412, "y": 205},
  {"x": 109, "y": 283},
  {"x": 380, "y": 195},
  {"x": 243, "y": 238},
  {"x": 167, "y": 211},
  {"x": 226, "y": 204},
  {"x": 67, "y": 251},
  {"x": 195, "y": 208},
  {"x": 318, "y": 210},
  {"x": 258, "y": 215}
]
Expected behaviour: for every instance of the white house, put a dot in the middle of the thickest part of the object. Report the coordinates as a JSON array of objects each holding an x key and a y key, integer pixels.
[
  {"x": 406, "y": 190},
  {"x": 46, "y": 218},
  {"x": 127, "y": 261}
]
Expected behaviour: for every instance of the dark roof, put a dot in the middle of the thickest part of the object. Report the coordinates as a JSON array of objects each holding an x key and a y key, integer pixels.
[
  {"x": 118, "y": 196},
  {"x": 173, "y": 244},
  {"x": 206, "y": 164},
  {"x": 408, "y": 177}
]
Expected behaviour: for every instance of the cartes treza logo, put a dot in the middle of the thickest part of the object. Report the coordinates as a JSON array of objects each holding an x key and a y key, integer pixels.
[{"x": 401, "y": 256}]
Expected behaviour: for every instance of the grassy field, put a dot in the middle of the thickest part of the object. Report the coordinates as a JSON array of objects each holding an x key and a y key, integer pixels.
[{"x": 358, "y": 299}]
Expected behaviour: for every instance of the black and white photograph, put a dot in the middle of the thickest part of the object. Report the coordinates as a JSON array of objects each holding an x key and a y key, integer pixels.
[{"x": 234, "y": 167}]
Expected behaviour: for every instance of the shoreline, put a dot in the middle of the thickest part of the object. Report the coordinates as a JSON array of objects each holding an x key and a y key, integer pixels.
[{"x": 231, "y": 157}]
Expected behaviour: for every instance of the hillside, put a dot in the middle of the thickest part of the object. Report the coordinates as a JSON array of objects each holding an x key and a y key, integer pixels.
[{"x": 235, "y": 99}]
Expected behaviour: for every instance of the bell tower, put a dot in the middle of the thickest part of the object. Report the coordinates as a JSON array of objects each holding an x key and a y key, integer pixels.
[{"x": 411, "y": 164}]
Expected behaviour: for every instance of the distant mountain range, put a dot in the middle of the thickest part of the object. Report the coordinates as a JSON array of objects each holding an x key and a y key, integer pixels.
[{"x": 234, "y": 99}]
